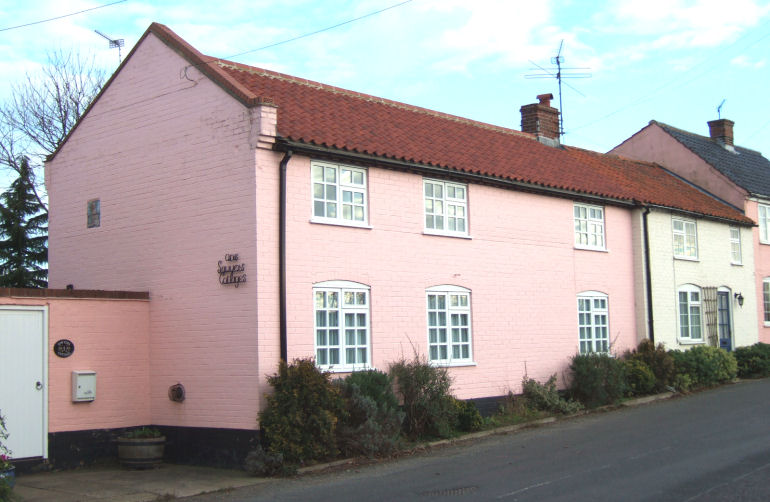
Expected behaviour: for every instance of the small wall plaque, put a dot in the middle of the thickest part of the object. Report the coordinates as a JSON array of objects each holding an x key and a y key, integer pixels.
[
  {"x": 230, "y": 271},
  {"x": 63, "y": 348}
]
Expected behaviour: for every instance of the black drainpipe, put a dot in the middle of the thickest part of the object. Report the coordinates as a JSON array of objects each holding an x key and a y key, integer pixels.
[
  {"x": 282, "y": 256},
  {"x": 648, "y": 275}
]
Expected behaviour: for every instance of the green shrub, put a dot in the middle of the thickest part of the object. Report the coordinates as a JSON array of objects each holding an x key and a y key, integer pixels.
[
  {"x": 514, "y": 409},
  {"x": 705, "y": 366},
  {"x": 640, "y": 380},
  {"x": 372, "y": 423},
  {"x": 754, "y": 361},
  {"x": 468, "y": 416},
  {"x": 658, "y": 360},
  {"x": 424, "y": 391},
  {"x": 261, "y": 463},
  {"x": 545, "y": 397},
  {"x": 597, "y": 379},
  {"x": 301, "y": 416}
]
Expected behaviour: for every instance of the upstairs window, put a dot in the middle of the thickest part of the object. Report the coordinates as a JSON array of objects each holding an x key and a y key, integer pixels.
[
  {"x": 593, "y": 322},
  {"x": 339, "y": 194},
  {"x": 446, "y": 208},
  {"x": 589, "y": 227},
  {"x": 449, "y": 325},
  {"x": 735, "y": 246},
  {"x": 341, "y": 325},
  {"x": 764, "y": 224},
  {"x": 690, "y": 317},
  {"x": 93, "y": 213},
  {"x": 685, "y": 239}
]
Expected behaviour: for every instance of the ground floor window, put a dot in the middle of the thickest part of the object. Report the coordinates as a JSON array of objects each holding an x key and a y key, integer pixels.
[
  {"x": 449, "y": 325},
  {"x": 766, "y": 298},
  {"x": 593, "y": 322},
  {"x": 341, "y": 325},
  {"x": 690, "y": 316}
]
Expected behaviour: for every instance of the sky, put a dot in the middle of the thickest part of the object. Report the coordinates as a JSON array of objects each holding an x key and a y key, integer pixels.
[{"x": 674, "y": 61}]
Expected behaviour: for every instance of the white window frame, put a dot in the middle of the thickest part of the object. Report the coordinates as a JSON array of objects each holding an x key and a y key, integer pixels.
[
  {"x": 332, "y": 334},
  {"x": 593, "y": 322},
  {"x": 589, "y": 227},
  {"x": 766, "y": 300},
  {"x": 763, "y": 220},
  {"x": 685, "y": 330},
  {"x": 339, "y": 195},
  {"x": 685, "y": 242},
  {"x": 449, "y": 325},
  {"x": 736, "y": 253},
  {"x": 442, "y": 210}
]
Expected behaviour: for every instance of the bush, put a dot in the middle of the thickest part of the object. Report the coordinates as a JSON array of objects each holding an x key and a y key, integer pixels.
[
  {"x": 468, "y": 416},
  {"x": 704, "y": 366},
  {"x": 658, "y": 360},
  {"x": 640, "y": 380},
  {"x": 597, "y": 379},
  {"x": 424, "y": 390},
  {"x": 545, "y": 397},
  {"x": 372, "y": 424},
  {"x": 754, "y": 361},
  {"x": 261, "y": 463},
  {"x": 301, "y": 416}
]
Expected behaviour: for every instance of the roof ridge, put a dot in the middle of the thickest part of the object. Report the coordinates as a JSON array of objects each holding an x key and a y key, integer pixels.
[{"x": 369, "y": 97}]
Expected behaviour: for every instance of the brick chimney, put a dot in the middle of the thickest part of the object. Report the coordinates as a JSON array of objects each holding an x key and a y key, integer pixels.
[
  {"x": 541, "y": 119},
  {"x": 722, "y": 131}
]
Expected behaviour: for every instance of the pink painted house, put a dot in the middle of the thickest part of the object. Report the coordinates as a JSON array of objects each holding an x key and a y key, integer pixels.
[
  {"x": 271, "y": 217},
  {"x": 736, "y": 175}
]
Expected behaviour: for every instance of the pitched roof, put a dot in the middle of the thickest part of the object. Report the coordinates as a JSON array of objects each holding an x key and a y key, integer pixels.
[
  {"x": 317, "y": 114},
  {"x": 746, "y": 168}
]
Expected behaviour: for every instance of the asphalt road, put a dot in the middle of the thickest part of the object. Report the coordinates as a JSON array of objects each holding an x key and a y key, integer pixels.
[{"x": 709, "y": 446}]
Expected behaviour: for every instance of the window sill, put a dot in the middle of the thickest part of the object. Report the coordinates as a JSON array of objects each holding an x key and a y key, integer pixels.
[
  {"x": 588, "y": 248},
  {"x": 684, "y": 341},
  {"x": 685, "y": 258},
  {"x": 345, "y": 369},
  {"x": 446, "y": 234},
  {"x": 457, "y": 364},
  {"x": 736, "y": 264},
  {"x": 340, "y": 223},
  {"x": 767, "y": 324}
]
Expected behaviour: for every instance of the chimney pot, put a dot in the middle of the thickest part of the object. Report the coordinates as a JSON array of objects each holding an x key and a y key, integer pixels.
[{"x": 722, "y": 131}]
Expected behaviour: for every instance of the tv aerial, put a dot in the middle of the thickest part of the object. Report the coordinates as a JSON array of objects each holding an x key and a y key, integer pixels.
[
  {"x": 560, "y": 73},
  {"x": 115, "y": 43}
]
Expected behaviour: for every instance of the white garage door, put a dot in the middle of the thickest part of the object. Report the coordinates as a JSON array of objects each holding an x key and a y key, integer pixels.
[{"x": 23, "y": 379}]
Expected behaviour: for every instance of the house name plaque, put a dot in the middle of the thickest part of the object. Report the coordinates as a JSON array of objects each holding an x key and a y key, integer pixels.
[
  {"x": 63, "y": 348},
  {"x": 230, "y": 271}
]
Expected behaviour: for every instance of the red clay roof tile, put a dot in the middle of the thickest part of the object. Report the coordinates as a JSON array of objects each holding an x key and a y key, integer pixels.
[{"x": 324, "y": 115}]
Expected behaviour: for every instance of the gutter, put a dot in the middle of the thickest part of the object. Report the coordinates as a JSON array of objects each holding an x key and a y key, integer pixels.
[
  {"x": 282, "y": 255},
  {"x": 648, "y": 275}
]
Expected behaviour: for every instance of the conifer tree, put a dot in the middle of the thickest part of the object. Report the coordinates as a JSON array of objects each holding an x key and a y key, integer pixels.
[{"x": 23, "y": 234}]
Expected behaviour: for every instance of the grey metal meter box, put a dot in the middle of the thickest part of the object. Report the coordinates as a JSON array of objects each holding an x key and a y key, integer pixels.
[{"x": 83, "y": 386}]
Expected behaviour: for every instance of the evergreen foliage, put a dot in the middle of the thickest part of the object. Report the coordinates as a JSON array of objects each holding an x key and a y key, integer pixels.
[{"x": 23, "y": 234}]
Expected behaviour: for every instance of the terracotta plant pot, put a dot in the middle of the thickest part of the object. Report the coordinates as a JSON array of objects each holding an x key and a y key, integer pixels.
[{"x": 141, "y": 453}]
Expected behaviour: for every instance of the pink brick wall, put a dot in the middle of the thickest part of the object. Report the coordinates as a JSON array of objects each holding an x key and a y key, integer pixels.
[
  {"x": 520, "y": 265},
  {"x": 762, "y": 270},
  {"x": 111, "y": 337},
  {"x": 171, "y": 162}
]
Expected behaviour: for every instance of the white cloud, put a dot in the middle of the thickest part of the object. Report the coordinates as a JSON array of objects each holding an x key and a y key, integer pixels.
[{"x": 744, "y": 62}]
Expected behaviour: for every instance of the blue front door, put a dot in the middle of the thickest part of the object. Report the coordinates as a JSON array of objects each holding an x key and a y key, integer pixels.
[{"x": 723, "y": 319}]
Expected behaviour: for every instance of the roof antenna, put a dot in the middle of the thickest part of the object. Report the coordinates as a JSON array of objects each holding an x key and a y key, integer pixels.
[
  {"x": 115, "y": 43},
  {"x": 559, "y": 76},
  {"x": 719, "y": 109}
]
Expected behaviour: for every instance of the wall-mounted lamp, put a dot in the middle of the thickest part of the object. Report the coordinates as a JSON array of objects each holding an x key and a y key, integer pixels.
[{"x": 739, "y": 297}]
